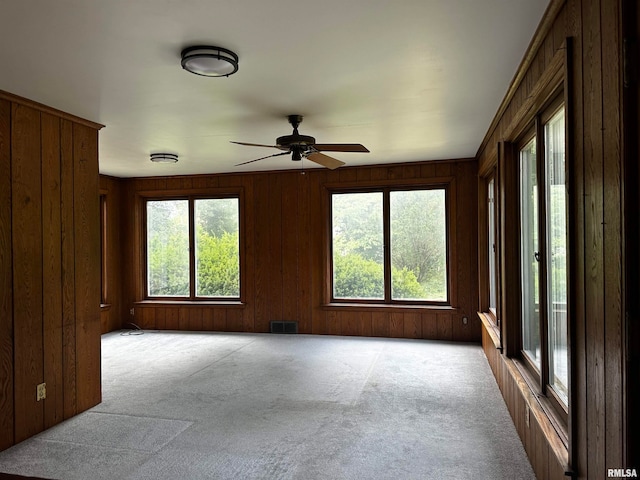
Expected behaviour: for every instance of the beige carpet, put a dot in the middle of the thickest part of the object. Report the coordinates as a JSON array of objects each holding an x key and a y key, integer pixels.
[{"x": 186, "y": 405}]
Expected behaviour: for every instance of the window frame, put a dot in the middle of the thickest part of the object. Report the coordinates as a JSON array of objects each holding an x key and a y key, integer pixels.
[
  {"x": 386, "y": 190},
  {"x": 192, "y": 297},
  {"x": 538, "y": 377}
]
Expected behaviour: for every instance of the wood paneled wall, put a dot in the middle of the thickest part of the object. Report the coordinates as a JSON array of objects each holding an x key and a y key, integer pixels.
[
  {"x": 113, "y": 310},
  {"x": 595, "y": 146},
  {"x": 49, "y": 241},
  {"x": 285, "y": 272}
]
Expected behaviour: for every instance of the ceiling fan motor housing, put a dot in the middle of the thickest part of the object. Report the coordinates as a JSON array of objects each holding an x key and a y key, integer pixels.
[{"x": 292, "y": 140}]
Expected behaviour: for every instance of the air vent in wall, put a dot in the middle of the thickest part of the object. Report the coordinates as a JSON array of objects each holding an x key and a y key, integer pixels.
[{"x": 284, "y": 327}]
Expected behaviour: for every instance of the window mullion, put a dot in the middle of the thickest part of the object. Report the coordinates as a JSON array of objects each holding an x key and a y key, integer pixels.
[
  {"x": 386, "y": 222},
  {"x": 542, "y": 244},
  {"x": 192, "y": 250}
]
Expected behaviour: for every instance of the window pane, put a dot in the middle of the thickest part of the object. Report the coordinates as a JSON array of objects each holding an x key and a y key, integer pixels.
[
  {"x": 217, "y": 246},
  {"x": 556, "y": 223},
  {"x": 168, "y": 248},
  {"x": 491, "y": 244},
  {"x": 529, "y": 253},
  {"x": 418, "y": 245},
  {"x": 358, "y": 250}
]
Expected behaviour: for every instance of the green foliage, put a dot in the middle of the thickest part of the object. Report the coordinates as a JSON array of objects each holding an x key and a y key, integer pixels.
[
  {"x": 418, "y": 245},
  {"x": 357, "y": 277},
  {"x": 217, "y": 248},
  {"x": 218, "y": 268}
]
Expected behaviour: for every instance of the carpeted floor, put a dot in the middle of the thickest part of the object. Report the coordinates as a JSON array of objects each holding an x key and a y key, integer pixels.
[{"x": 187, "y": 405}]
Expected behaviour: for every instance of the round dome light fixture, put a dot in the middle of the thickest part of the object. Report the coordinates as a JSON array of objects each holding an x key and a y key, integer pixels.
[
  {"x": 164, "y": 157},
  {"x": 209, "y": 61}
]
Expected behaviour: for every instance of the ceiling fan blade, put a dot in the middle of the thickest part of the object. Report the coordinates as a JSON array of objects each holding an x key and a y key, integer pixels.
[
  {"x": 255, "y": 145},
  {"x": 262, "y": 158},
  {"x": 340, "y": 147},
  {"x": 325, "y": 160}
]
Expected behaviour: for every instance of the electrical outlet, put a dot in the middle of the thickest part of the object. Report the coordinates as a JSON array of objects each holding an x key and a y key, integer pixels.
[
  {"x": 131, "y": 311},
  {"x": 41, "y": 391},
  {"x": 465, "y": 320}
]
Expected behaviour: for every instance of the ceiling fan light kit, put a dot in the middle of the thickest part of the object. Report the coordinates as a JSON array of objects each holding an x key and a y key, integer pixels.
[
  {"x": 304, "y": 146},
  {"x": 209, "y": 61},
  {"x": 164, "y": 158}
]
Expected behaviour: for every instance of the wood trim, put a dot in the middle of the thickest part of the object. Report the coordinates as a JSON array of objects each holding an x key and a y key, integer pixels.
[
  {"x": 16, "y": 99},
  {"x": 6, "y": 284}
]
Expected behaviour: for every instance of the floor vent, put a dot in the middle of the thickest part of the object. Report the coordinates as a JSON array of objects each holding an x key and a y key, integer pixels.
[{"x": 284, "y": 327}]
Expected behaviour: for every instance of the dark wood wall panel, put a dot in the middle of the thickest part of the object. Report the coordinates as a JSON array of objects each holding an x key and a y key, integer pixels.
[
  {"x": 114, "y": 312},
  {"x": 285, "y": 265},
  {"x": 548, "y": 459},
  {"x": 6, "y": 281},
  {"x": 87, "y": 257},
  {"x": 596, "y": 107},
  {"x": 52, "y": 267},
  {"x": 46, "y": 226},
  {"x": 68, "y": 278},
  {"x": 26, "y": 228}
]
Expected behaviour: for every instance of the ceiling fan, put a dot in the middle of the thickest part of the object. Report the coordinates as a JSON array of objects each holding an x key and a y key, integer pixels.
[{"x": 304, "y": 146}]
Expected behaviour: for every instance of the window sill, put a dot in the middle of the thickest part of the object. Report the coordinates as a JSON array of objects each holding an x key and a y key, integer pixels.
[
  {"x": 190, "y": 303},
  {"x": 492, "y": 329},
  {"x": 376, "y": 307}
]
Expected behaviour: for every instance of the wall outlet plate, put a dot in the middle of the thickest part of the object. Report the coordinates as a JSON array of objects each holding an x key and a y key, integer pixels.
[{"x": 41, "y": 391}]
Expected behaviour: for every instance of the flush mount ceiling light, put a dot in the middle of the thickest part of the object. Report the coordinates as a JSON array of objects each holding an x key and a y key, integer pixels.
[
  {"x": 209, "y": 61},
  {"x": 164, "y": 157}
]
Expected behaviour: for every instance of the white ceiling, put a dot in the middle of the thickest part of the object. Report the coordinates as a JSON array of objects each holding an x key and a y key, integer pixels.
[{"x": 410, "y": 79}]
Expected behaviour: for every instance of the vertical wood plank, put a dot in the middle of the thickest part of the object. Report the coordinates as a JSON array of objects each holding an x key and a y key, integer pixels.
[
  {"x": 207, "y": 320},
  {"x": 161, "y": 318},
  {"x": 234, "y": 320},
  {"x": 612, "y": 232},
  {"x": 26, "y": 228},
  {"x": 396, "y": 325},
  {"x": 183, "y": 318},
  {"x": 87, "y": 256},
  {"x": 195, "y": 319},
  {"x": 52, "y": 270},
  {"x": 172, "y": 318},
  {"x": 68, "y": 270},
  {"x": 445, "y": 330},
  {"x": 412, "y": 325},
  {"x": 260, "y": 236},
  {"x": 365, "y": 324},
  {"x": 595, "y": 312},
  {"x": 429, "y": 326},
  {"x": 220, "y": 320},
  {"x": 6, "y": 282},
  {"x": 290, "y": 246}
]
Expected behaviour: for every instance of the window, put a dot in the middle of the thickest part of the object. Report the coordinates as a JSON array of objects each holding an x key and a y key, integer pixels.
[
  {"x": 491, "y": 246},
  {"x": 390, "y": 245},
  {"x": 103, "y": 249},
  {"x": 193, "y": 248},
  {"x": 543, "y": 253}
]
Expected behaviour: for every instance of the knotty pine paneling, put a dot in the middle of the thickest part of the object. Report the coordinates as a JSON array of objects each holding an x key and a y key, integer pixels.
[
  {"x": 285, "y": 272},
  {"x": 595, "y": 113},
  {"x": 48, "y": 175},
  {"x": 6, "y": 282}
]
